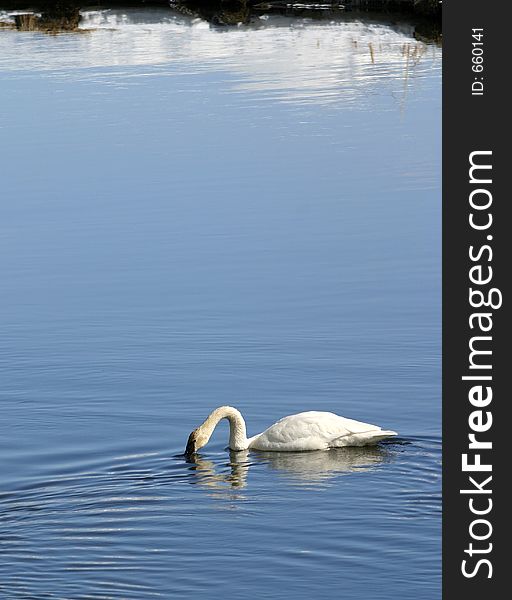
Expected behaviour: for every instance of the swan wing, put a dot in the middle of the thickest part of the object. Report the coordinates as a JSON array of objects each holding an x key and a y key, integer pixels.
[{"x": 314, "y": 430}]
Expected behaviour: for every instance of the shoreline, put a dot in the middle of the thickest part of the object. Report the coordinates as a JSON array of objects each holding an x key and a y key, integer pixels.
[
  {"x": 65, "y": 16},
  {"x": 424, "y": 8}
]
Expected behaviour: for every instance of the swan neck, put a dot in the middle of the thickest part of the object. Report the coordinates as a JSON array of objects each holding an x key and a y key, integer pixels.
[{"x": 237, "y": 429}]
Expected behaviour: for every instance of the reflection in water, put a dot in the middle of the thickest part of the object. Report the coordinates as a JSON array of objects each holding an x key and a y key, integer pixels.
[
  {"x": 64, "y": 15},
  {"x": 282, "y": 57},
  {"x": 304, "y": 467},
  {"x": 317, "y": 467},
  {"x": 221, "y": 485},
  {"x": 217, "y": 12},
  {"x": 211, "y": 212},
  {"x": 51, "y": 17}
]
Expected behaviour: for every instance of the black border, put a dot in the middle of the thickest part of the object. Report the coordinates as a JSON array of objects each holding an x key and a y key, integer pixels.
[{"x": 474, "y": 123}]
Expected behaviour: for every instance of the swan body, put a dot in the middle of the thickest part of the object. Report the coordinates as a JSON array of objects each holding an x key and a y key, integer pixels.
[{"x": 312, "y": 430}]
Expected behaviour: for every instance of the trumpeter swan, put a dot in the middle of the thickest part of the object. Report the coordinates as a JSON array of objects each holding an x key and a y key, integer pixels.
[{"x": 310, "y": 430}]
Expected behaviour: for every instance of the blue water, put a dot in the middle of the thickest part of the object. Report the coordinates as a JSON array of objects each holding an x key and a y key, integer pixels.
[{"x": 194, "y": 216}]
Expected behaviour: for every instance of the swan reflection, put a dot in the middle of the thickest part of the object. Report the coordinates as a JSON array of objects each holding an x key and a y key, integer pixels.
[
  {"x": 224, "y": 481},
  {"x": 301, "y": 467},
  {"x": 317, "y": 467}
]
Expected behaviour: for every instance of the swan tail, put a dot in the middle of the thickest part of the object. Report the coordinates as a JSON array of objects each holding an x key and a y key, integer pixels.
[
  {"x": 363, "y": 438},
  {"x": 385, "y": 433}
]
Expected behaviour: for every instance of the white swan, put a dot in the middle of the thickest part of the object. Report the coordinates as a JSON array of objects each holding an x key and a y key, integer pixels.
[{"x": 310, "y": 430}]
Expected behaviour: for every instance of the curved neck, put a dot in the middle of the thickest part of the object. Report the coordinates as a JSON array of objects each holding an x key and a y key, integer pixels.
[{"x": 237, "y": 431}]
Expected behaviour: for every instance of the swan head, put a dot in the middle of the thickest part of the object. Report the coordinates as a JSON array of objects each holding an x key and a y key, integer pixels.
[{"x": 196, "y": 440}]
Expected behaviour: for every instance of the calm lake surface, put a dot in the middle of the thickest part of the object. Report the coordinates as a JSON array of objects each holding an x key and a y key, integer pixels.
[{"x": 194, "y": 216}]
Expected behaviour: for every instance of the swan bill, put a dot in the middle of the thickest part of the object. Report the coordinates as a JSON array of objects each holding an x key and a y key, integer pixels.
[
  {"x": 191, "y": 444},
  {"x": 196, "y": 440}
]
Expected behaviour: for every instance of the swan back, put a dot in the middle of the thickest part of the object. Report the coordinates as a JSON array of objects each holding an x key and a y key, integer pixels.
[{"x": 315, "y": 430}]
